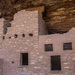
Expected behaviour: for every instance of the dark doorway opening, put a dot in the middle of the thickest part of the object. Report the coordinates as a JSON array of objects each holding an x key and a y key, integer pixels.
[
  {"x": 24, "y": 58},
  {"x": 55, "y": 63}
]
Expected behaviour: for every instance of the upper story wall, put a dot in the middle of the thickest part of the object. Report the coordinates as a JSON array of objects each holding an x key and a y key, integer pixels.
[
  {"x": 57, "y": 40},
  {"x": 42, "y": 26},
  {"x": 25, "y": 22}
]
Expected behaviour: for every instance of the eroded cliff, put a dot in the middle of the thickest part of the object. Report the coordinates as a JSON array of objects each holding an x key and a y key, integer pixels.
[{"x": 59, "y": 15}]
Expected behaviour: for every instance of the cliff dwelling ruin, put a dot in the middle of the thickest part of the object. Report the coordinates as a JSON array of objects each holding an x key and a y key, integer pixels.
[{"x": 26, "y": 48}]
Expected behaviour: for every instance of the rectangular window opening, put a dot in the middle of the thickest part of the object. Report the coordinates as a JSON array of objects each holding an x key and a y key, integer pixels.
[
  {"x": 67, "y": 46},
  {"x": 24, "y": 58},
  {"x": 48, "y": 47},
  {"x": 55, "y": 63}
]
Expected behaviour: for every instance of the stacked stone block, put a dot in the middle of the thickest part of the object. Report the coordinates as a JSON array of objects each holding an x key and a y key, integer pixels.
[
  {"x": 1, "y": 67},
  {"x": 67, "y": 56},
  {"x": 26, "y": 22}
]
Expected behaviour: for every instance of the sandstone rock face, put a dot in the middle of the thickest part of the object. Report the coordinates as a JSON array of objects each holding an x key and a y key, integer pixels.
[{"x": 59, "y": 15}]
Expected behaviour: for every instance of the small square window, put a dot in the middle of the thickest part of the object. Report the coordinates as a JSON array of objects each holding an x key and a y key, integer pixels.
[
  {"x": 3, "y": 37},
  {"x": 9, "y": 37},
  {"x": 48, "y": 47},
  {"x": 67, "y": 46},
  {"x": 23, "y": 35},
  {"x": 15, "y": 36},
  {"x": 30, "y": 34}
]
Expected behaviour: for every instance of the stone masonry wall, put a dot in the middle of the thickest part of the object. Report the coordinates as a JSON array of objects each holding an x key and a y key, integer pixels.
[
  {"x": 67, "y": 56},
  {"x": 1, "y": 67},
  {"x": 42, "y": 27},
  {"x": 26, "y": 22}
]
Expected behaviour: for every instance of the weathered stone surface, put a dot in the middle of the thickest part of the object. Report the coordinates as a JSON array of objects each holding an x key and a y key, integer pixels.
[
  {"x": 1, "y": 67},
  {"x": 59, "y": 15},
  {"x": 26, "y": 22}
]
